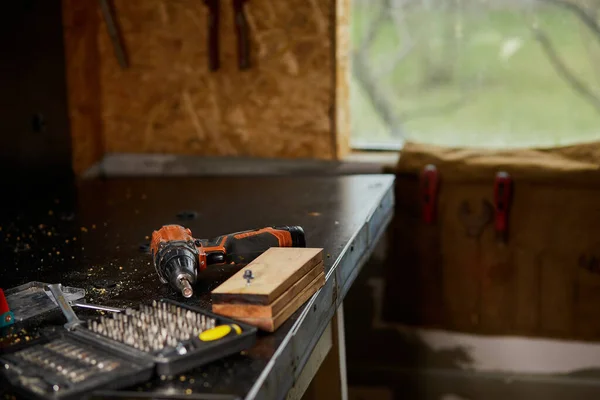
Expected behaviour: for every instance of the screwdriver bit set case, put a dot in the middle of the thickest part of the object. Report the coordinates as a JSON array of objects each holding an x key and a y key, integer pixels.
[{"x": 122, "y": 350}]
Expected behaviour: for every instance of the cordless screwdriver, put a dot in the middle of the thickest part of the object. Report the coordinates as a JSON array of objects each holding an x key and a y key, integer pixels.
[{"x": 178, "y": 256}]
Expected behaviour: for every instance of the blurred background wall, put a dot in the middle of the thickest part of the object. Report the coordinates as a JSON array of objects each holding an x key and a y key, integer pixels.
[{"x": 168, "y": 101}]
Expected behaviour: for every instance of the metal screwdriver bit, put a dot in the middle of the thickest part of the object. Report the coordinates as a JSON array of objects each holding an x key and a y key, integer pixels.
[{"x": 152, "y": 327}]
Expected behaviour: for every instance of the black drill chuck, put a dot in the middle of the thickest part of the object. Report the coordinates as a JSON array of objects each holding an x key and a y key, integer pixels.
[{"x": 176, "y": 265}]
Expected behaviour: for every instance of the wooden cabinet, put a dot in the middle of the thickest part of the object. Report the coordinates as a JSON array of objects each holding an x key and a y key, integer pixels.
[{"x": 544, "y": 281}]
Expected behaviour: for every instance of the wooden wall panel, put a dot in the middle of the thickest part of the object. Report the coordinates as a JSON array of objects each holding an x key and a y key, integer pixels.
[
  {"x": 461, "y": 261},
  {"x": 532, "y": 285},
  {"x": 169, "y": 102},
  {"x": 80, "y": 27},
  {"x": 341, "y": 88},
  {"x": 544, "y": 281}
]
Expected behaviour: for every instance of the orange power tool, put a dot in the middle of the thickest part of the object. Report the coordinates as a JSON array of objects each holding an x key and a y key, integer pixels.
[{"x": 178, "y": 256}]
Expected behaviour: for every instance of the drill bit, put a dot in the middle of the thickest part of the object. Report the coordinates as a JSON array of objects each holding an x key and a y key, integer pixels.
[
  {"x": 65, "y": 359},
  {"x": 152, "y": 327},
  {"x": 186, "y": 288}
]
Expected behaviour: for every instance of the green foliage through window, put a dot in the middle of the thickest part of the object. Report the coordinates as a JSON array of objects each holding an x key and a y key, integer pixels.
[{"x": 493, "y": 73}]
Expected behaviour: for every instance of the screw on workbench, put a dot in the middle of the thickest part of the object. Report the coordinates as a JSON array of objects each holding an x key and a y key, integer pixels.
[
  {"x": 187, "y": 215},
  {"x": 144, "y": 248},
  {"x": 38, "y": 123},
  {"x": 248, "y": 276}
]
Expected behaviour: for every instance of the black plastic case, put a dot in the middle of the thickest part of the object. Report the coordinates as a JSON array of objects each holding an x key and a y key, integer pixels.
[
  {"x": 137, "y": 366},
  {"x": 18, "y": 372},
  {"x": 203, "y": 353}
]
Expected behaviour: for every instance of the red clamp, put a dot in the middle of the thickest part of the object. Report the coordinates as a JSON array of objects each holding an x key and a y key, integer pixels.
[
  {"x": 502, "y": 199},
  {"x": 6, "y": 316},
  {"x": 430, "y": 182}
]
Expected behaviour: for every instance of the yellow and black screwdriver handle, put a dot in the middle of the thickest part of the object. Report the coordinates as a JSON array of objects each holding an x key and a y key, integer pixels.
[
  {"x": 243, "y": 247},
  {"x": 219, "y": 332}
]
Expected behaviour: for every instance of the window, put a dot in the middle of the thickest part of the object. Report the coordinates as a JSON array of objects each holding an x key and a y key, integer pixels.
[{"x": 493, "y": 73}]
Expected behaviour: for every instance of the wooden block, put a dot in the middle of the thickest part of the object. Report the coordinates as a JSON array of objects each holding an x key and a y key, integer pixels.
[
  {"x": 270, "y": 310},
  {"x": 271, "y": 324},
  {"x": 274, "y": 271}
]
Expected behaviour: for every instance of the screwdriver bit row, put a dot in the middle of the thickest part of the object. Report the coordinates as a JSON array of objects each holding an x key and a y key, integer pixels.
[
  {"x": 152, "y": 327},
  {"x": 66, "y": 359}
]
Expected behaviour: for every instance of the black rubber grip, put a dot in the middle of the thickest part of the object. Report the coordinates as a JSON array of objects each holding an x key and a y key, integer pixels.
[
  {"x": 248, "y": 245},
  {"x": 298, "y": 236},
  {"x": 246, "y": 249}
]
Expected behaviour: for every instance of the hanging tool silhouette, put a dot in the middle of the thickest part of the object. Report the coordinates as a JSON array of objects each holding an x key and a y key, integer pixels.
[
  {"x": 112, "y": 26},
  {"x": 241, "y": 29}
]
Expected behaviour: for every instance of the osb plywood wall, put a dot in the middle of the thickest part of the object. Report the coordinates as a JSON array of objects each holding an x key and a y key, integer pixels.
[
  {"x": 168, "y": 101},
  {"x": 81, "y": 25}
]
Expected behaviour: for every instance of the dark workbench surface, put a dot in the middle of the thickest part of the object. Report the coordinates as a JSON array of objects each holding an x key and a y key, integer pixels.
[{"x": 94, "y": 235}]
